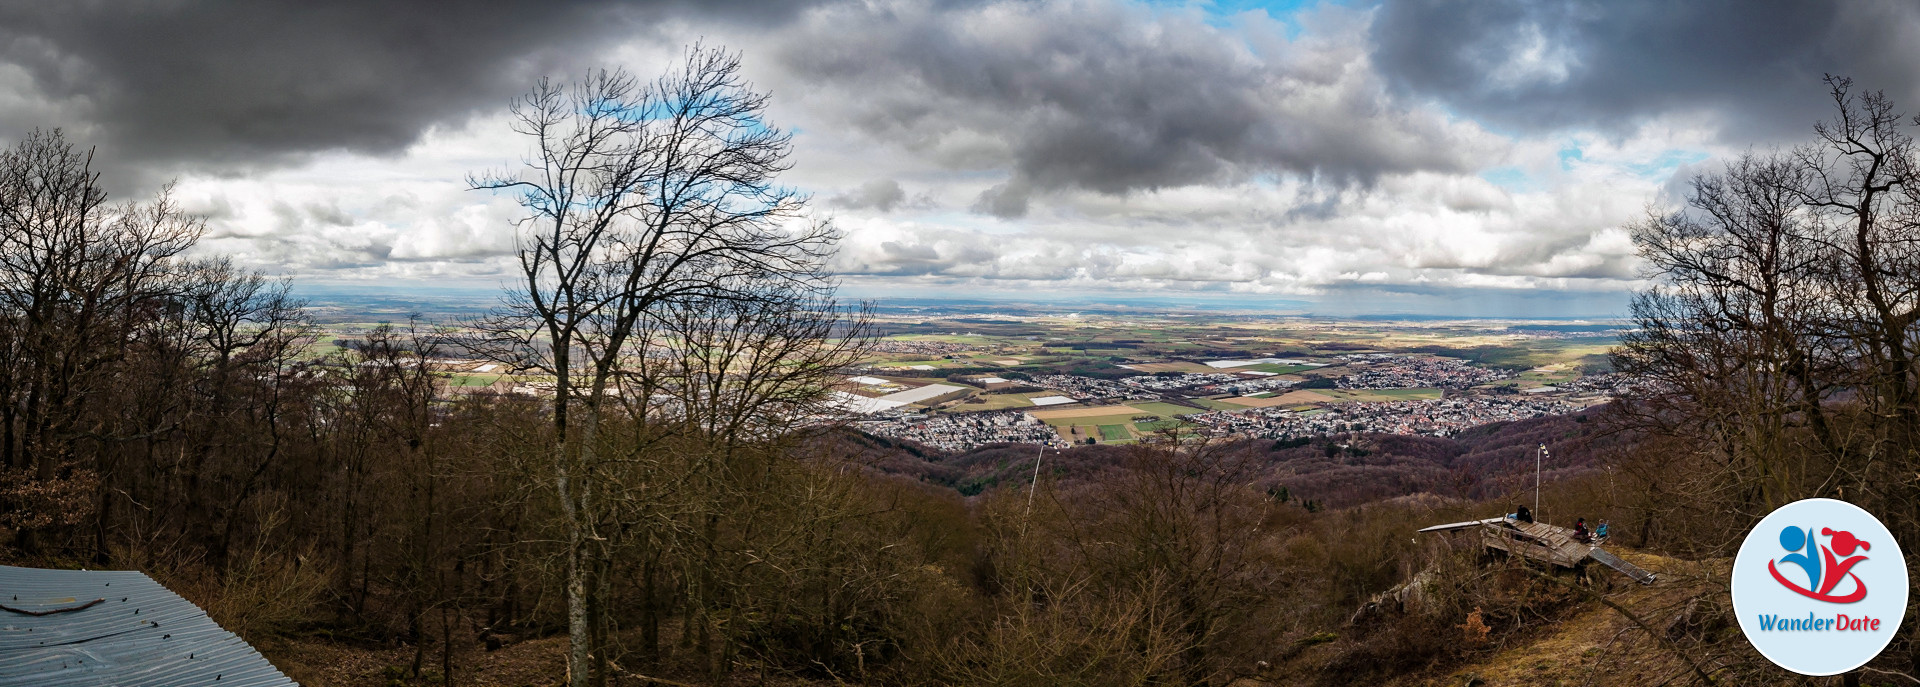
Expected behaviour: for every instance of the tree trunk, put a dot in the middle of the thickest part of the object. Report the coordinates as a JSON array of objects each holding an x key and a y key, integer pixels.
[
  {"x": 579, "y": 644},
  {"x": 649, "y": 612},
  {"x": 446, "y": 647},
  {"x": 599, "y": 619}
]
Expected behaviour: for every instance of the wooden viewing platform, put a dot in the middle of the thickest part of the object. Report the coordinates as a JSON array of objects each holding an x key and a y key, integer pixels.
[{"x": 1538, "y": 541}]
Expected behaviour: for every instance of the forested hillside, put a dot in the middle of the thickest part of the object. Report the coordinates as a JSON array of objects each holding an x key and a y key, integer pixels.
[{"x": 1331, "y": 471}]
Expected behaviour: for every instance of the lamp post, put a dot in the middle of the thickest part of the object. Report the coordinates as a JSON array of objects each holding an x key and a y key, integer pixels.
[
  {"x": 1538, "y": 458},
  {"x": 1035, "y": 486}
]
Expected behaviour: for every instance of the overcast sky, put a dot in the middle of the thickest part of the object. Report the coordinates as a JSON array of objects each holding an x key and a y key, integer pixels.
[{"x": 1295, "y": 150}]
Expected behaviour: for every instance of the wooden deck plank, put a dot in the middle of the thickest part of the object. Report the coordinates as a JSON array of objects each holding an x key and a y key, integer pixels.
[{"x": 1536, "y": 540}]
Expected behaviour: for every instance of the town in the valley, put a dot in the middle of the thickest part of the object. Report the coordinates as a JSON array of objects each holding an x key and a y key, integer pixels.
[
  {"x": 1392, "y": 393},
  {"x": 960, "y": 379},
  {"x": 966, "y": 380}
]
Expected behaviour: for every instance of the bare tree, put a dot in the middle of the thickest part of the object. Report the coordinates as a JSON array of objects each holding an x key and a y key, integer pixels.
[
  {"x": 1778, "y": 337},
  {"x": 1862, "y": 189},
  {"x": 76, "y": 278},
  {"x": 732, "y": 386},
  {"x": 637, "y": 195},
  {"x": 1733, "y": 332}
]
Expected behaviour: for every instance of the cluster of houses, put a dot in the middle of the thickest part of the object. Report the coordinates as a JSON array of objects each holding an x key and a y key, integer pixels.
[
  {"x": 1440, "y": 417},
  {"x": 965, "y": 431},
  {"x": 1386, "y": 371}
]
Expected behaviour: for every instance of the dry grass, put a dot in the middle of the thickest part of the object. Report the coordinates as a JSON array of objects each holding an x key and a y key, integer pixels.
[
  {"x": 319, "y": 662},
  {"x": 539, "y": 662},
  {"x": 1599, "y": 646}
]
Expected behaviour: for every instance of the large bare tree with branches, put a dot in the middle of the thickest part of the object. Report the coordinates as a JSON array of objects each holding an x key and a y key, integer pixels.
[
  {"x": 637, "y": 195},
  {"x": 1778, "y": 335}
]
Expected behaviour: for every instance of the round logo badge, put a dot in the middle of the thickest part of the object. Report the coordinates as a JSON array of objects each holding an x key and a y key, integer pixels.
[{"x": 1820, "y": 587}]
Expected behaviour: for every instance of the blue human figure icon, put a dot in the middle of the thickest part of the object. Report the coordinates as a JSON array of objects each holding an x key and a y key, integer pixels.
[{"x": 1794, "y": 539}]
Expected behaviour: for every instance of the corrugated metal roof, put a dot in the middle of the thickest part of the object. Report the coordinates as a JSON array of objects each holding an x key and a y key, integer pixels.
[{"x": 139, "y": 634}]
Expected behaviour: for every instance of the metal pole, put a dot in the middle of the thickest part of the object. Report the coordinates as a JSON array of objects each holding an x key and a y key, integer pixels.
[
  {"x": 1032, "y": 487},
  {"x": 1537, "y": 457},
  {"x": 1035, "y": 485}
]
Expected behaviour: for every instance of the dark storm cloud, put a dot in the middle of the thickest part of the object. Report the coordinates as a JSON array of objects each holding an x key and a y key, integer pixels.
[
  {"x": 229, "y": 85},
  {"x": 1107, "y": 97},
  {"x": 1560, "y": 65}
]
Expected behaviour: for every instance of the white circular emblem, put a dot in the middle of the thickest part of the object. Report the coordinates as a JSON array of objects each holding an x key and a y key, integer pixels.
[{"x": 1820, "y": 587}]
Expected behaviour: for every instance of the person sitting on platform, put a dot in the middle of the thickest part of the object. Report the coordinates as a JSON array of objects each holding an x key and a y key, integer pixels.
[
  {"x": 1524, "y": 515},
  {"x": 1580, "y": 531}
]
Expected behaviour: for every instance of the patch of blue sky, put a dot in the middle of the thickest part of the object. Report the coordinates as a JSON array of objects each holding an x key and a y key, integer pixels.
[
  {"x": 1221, "y": 13},
  {"x": 1278, "y": 9},
  {"x": 1570, "y": 155},
  {"x": 1511, "y": 178}
]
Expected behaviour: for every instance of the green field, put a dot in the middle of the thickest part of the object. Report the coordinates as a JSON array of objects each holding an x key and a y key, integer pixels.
[
  {"x": 474, "y": 379},
  {"x": 1091, "y": 420},
  {"x": 1114, "y": 433},
  {"x": 1219, "y": 405},
  {"x": 1155, "y": 426}
]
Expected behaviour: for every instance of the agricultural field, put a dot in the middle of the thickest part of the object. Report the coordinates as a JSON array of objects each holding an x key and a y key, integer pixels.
[
  {"x": 1091, "y": 342},
  {"x": 1164, "y": 409},
  {"x": 1278, "y": 369},
  {"x": 1115, "y": 423},
  {"x": 1171, "y": 367},
  {"x": 984, "y": 402},
  {"x": 1269, "y": 401},
  {"x": 1090, "y": 415},
  {"x": 1547, "y": 375},
  {"x": 1375, "y": 395},
  {"x": 1218, "y": 404}
]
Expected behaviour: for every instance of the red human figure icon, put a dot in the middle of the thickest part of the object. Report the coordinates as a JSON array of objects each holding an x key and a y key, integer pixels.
[{"x": 1844, "y": 542}]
